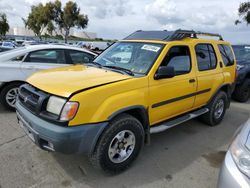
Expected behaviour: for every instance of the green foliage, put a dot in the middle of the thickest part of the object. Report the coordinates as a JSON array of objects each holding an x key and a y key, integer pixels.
[
  {"x": 69, "y": 17},
  {"x": 4, "y": 26},
  {"x": 50, "y": 28},
  {"x": 244, "y": 13},
  {"x": 42, "y": 16},
  {"x": 39, "y": 17}
]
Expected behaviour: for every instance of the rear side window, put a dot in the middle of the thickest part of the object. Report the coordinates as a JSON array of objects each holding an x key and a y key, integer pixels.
[
  {"x": 47, "y": 56},
  {"x": 179, "y": 58},
  {"x": 227, "y": 54},
  {"x": 206, "y": 57},
  {"x": 78, "y": 57}
]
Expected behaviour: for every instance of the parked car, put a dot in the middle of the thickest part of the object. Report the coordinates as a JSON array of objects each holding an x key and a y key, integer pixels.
[
  {"x": 242, "y": 90},
  {"x": 97, "y": 46},
  {"x": 17, "y": 65},
  {"x": 9, "y": 45},
  {"x": 235, "y": 171},
  {"x": 145, "y": 84},
  {"x": 3, "y": 49}
]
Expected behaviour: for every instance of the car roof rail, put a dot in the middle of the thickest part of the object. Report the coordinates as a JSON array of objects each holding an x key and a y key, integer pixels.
[{"x": 169, "y": 35}]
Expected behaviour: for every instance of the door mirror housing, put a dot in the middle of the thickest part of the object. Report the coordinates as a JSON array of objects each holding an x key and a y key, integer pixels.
[{"x": 165, "y": 72}]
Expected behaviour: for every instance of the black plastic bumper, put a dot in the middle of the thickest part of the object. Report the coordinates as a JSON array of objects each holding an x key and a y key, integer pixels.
[{"x": 51, "y": 137}]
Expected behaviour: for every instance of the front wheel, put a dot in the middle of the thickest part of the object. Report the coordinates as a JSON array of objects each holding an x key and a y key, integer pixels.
[
  {"x": 242, "y": 92},
  {"x": 217, "y": 109},
  {"x": 8, "y": 96},
  {"x": 119, "y": 145}
]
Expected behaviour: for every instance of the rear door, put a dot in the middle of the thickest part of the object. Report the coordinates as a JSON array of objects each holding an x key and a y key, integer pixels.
[
  {"x": 79, "y": 57},
  {"x": 43, "y": 59},
  {"x": 229, "y": 62},
  {"x": 209, "y": 72}
]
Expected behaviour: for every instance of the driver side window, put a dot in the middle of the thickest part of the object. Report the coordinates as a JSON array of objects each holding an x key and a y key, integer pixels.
[{"x": 179, "y": 58}]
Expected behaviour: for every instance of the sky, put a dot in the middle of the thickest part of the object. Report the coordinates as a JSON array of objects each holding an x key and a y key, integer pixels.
[{"x": 115, "y": 19}]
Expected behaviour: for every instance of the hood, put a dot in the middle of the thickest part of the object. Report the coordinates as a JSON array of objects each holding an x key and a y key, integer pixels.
[{"x": 68, "y": 80}]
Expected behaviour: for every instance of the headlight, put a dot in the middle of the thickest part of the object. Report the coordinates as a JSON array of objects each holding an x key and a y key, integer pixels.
[
  {"x": 55, "y": 105},
  {"x": 59, "y": 106},
  {"x": 239, "y": 67},
  {"x": 69, "y": 111},
  {"x": 241, "y": 156}
]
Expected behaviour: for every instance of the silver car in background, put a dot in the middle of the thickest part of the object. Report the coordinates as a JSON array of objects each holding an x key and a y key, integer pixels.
[
  {"x": 235, "y": 171},
  {"x": 18, "y": 64}
]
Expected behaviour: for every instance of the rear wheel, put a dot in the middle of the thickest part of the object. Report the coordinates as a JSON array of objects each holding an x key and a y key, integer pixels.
[
  {"x": 119, "y": 145},
  {"x": 8, "y": 96},
  {"x": 217, "y": 109},
  {"x": 242, "y": 92}
]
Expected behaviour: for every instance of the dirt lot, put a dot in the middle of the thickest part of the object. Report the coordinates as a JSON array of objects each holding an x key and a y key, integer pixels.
[{"x": 188, "y": 155}]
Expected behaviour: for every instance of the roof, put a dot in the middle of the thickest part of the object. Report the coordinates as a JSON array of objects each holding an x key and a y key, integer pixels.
[
  {"x": 53, "y": 46},
  {"x": 169, "y": 35}
]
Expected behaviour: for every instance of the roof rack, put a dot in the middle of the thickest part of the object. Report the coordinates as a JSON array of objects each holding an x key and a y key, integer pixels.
[{"x": 169, "y": 35}]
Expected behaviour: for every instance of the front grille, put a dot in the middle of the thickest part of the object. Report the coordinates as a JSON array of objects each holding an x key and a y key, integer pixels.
[{"x": 32, "y": 99}]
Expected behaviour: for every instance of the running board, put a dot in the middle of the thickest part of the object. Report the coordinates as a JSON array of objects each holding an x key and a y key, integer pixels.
[{"x": 168, "y": 124}]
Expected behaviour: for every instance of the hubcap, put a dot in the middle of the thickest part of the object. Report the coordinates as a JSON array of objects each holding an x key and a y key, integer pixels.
[
  {"x": 11, "y": 97},
  {"x": 219, "y": 108},
  {"x": 122, "y": 146}
]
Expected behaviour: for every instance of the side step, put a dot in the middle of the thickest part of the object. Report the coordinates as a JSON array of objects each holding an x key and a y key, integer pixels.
[{"x": 168, "y": 124}]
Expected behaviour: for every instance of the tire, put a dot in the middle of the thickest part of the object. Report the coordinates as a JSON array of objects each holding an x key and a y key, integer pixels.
[
  {"x": 217, "y": 109},
  {"x": 242, "y": 92},
  {"x": 9, "y": 90},
  {"x": 104, "y": 156}
]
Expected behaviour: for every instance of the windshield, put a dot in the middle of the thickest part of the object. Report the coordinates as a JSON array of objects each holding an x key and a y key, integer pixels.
[
  {"x": 242, "y": 53},
  {"x": 134, "y": 56}
]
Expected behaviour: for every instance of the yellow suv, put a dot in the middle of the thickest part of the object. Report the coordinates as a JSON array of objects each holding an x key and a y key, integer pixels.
[{"x": 144, "y": 84}]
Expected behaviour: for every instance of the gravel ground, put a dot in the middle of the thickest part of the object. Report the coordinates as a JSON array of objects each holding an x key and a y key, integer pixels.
[{"x": 188, "y": 155}]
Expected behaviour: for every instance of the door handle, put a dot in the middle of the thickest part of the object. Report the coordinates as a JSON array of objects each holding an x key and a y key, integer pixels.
[
  {"x": 221, "y": 64},
  {"x": 191, "y": 80}
]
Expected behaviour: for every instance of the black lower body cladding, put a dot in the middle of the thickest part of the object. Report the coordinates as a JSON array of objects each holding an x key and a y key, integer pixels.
[{"x": 51, "y": 137}]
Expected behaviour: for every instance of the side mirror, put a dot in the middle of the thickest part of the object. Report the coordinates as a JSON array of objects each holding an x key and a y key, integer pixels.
[{"x": 165, "y": 72}]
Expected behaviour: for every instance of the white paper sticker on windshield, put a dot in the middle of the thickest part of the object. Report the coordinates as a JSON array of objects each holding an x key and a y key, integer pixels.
[{"x": 150, "y": 48}]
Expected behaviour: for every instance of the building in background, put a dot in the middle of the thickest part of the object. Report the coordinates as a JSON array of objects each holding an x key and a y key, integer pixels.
[{"x": 21, "y": 31}]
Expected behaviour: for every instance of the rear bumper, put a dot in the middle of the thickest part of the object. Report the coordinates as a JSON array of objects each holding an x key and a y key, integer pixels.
[
  {"x": 230, "y": 176},
  {"x": 51, "y": 137}
]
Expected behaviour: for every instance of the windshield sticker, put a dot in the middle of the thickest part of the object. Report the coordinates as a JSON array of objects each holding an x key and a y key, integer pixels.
[{"x": 150, "y": 48}]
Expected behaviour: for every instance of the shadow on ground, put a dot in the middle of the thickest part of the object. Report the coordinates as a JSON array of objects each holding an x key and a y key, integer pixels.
[{"x": 169, "y": 153}]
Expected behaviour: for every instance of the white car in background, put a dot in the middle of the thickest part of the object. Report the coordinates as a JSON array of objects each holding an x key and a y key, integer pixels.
[{"x": 18, "y": 64}]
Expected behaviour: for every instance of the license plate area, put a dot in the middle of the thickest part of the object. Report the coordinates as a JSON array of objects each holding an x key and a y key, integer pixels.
[
  {"x": 26, "y": 127},
  {"x": 26, "y": 130}
]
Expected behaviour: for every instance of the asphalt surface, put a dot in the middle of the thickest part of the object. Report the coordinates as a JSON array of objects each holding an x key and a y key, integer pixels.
[{"x": 188, "y": 155}]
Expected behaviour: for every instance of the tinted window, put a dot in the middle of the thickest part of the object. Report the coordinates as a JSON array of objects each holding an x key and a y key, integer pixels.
[
  {"x": 179, "y": 58},
  {"x": 206, "y": 57},
  {"x": 227, "y": 54},
  {"x": 78, "y": 57},
  {"x": 47, "y": 56}
]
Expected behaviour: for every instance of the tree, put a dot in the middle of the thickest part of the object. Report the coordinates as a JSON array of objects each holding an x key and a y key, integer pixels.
[
  {"x": 244, "y": 13},
  {"x": 4, "y": 26},
  {"x": 39, "y": 17},
  {"x": 69, "y": 17},
  {"x": 50, "y": 28}
]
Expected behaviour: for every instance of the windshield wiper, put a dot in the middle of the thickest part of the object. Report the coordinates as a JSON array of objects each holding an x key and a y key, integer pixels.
[
  {"x": 96, "y": 64},
  {"x": 127, "y": 71}
]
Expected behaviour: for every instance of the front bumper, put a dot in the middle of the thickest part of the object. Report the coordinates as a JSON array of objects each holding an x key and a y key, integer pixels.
[
  {"x": 51, "y": 137},
  {"x": 230, "y": 176}
]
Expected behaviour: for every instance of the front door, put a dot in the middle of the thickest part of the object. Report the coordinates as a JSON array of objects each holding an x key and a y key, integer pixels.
[{"x": 170, "y": 97}]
